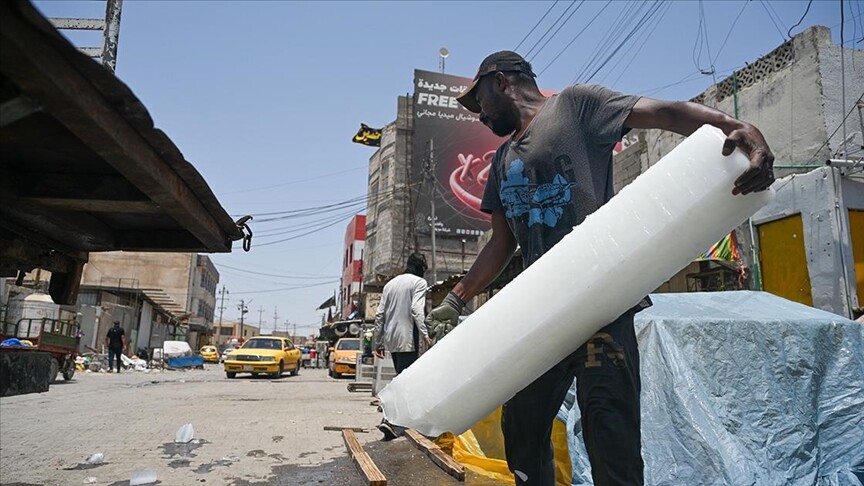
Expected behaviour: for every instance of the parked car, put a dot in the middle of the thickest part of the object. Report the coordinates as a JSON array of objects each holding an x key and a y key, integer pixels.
[
  {"x": 209, "y": 353},
  {"x": 264, "y": 354},
  {"x": 225, "y": 353},
  {"x": 343, "y": 358}
]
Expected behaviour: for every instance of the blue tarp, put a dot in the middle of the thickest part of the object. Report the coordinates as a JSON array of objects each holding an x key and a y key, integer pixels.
[
  {"x": 745, "y": 388},
  {"x": 186, "y": 362}
]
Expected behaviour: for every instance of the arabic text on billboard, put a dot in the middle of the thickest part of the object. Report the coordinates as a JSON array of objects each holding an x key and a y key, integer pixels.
[{"x": 463, "y": 149}]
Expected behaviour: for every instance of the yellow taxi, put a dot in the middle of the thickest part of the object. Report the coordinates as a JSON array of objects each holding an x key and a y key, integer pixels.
[
  {"x": 209, "y": 353},
  {"x": 343, "y": 358},
  {"x": 264, "y": 354}
]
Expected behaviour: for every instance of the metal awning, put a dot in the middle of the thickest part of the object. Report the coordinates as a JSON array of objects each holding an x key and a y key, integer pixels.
[{"x": 82, "y": 168}]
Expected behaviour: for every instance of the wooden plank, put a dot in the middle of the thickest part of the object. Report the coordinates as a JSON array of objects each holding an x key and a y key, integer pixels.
[
  {"x": 439, "y": 457},
  {"x": 333, "y": 428},
  {"x": 50, "y": 80},
  {"x": 371, "y": 473}
]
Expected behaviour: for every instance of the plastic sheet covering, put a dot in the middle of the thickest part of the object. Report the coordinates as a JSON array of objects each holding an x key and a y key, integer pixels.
[{"x": 745, "y": 388}]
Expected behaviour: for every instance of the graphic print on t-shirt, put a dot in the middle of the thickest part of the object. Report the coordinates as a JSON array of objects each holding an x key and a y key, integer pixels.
[{"x": 543, "y": 203}]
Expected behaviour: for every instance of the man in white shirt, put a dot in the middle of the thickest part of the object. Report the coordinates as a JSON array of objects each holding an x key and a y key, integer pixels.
[{"x": 400, "y": 320}]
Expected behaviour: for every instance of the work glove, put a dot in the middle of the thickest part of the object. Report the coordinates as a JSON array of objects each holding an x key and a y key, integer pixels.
[{"x": 445, "y": 317}]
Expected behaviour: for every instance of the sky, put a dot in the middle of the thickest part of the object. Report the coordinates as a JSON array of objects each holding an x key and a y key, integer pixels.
[{"x": 264, "y": 97}]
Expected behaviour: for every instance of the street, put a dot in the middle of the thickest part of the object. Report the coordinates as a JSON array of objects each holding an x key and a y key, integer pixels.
[{"x": 247, "y": 431}]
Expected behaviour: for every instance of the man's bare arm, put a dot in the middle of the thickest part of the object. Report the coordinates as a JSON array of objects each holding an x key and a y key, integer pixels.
[
  {"x": 491, "y": 260},
  {"x": 684, "y": 118}
]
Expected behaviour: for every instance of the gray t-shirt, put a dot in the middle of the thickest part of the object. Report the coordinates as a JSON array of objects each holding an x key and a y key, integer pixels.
[{"x": 560, "y": 171}]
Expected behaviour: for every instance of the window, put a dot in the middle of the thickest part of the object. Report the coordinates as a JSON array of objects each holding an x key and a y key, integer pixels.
[
  {"x": 205, "y": 310},
  {"x": 226, "y": 331},
  {"x": 207, "y": 281}
]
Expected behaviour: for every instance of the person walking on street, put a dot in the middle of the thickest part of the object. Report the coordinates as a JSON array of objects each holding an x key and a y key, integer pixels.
[
  {"x": 553, "y": 170},
  {"x": 116, "y": 339},
  {"x": 400, "y": 320}
]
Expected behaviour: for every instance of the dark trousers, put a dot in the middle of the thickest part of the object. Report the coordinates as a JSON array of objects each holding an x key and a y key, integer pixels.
[
  {"x": 112, "y": 353},
  {"x": 405, "y": 359},
  {"x": 607, "y": 391}
]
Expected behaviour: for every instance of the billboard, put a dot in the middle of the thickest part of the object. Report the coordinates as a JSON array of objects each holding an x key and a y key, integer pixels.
[{"x": 462, "y": 148}]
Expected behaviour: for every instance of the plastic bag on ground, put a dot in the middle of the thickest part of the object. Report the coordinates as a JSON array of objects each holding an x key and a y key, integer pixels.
[
  {"x": 142, "y": 477},
  {"x": 184, "y": 434},
  {"x": 97, "y": 458}
]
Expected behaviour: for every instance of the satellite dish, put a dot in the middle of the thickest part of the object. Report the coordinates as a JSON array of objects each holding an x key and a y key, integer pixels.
[{"x": 443, "y": 52}]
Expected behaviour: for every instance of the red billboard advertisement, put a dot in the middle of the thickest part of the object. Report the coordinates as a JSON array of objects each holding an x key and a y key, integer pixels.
[{"x": 462, "y": 149}]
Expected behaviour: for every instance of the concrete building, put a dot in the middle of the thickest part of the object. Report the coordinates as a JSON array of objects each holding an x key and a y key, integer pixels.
[
  {"x": 391, "y": 220},
  {"x": 794, "y": 94},
  {"x": 352, "y": 266},
  {"x": 223, "y": 334},
  {"x": 187, "y": 280}
]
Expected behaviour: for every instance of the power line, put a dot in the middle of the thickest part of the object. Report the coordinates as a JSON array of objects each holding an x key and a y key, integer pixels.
[
  {"x": 606, "y": 41},
  {"x": 574, "y": 38},
  {"x": 642, "y": 42},
  {"x": 307, "y": 233},
  {"x": 816, "y": 153},
  {"x": 261, "y": 188},
  {"x": 645, "y": 18},
  {"x": 535, "y": 26},
  {"x": 789, "y": 32},
  {"x": 533, "y": 56},
  {"x": 550, "y": 28},
  {"x": 729, "y": 33},
  {"x": 309, "y": 277},
  {"x": 772, "y": 20},
  {"x": 286, "y": 289}
]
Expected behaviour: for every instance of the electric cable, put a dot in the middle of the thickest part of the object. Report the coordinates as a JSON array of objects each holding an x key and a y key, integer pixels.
[
  {"x": 609, "y": 2},
  {"x": 789, "y": 32},
  {"x": 645, "y": 18},
  {"x": 615, "y": 31},
  {"x": 782, "y": 36},
  {"x": 641, "y": 42},
  {"x": 535, "y": 26},
  {"x": 729, "y": 33},
  {"x": 309, "y": 277},
  {"x": 261, "y": 188},
  {"x": 534, "y": 56},
  {"x": 554, "y": 24}
]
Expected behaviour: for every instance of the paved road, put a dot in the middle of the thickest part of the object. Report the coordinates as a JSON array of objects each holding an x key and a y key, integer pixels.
[{"x": 248, "y": 430}]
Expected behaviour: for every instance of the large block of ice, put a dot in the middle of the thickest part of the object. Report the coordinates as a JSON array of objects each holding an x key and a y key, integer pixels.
[{"x": 649, "y": 231}]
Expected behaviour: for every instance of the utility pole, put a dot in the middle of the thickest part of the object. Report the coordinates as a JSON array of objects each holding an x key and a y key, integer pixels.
[
  {"x": 429, "y": 169},
  {"x": 222, "y": 294},
  {"x": 243, "y": 310},
  {"x": 260, "y": 313},
  {"x": 294, "y": 334}
]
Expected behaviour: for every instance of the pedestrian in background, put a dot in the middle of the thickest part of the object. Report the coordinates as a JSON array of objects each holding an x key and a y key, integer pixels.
[
  {"x": 400, "y": 320},
  {"x": 116, "y": 339}
]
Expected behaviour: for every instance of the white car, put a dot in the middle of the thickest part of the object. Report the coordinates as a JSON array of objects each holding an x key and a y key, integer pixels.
[{"x": 225, "y": 353}]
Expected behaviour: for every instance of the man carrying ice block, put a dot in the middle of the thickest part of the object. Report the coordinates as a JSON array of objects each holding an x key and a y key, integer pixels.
[{"x": 553, "y": 171}]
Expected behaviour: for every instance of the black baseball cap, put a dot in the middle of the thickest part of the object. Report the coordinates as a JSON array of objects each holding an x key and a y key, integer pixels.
[{"x": 501, "y": 61}]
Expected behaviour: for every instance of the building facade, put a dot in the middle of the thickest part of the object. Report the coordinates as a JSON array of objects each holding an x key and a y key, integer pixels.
[
  {"x": 228, "y": 331},
  {"x": 186, "y": 281},
  {"x": 794, "y": 95},
  {"x": 392, "y": 215},
  {"x": 352, "y": 266}
]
